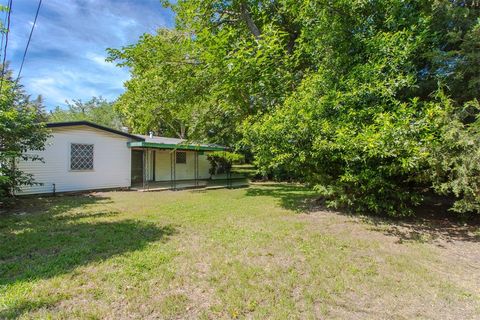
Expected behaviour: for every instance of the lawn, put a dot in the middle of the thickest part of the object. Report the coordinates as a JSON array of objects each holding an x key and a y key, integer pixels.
[{"x": 261, "y": 252}]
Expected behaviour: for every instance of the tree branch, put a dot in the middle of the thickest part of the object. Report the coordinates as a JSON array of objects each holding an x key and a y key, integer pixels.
[{"x": 245, "y": 14}]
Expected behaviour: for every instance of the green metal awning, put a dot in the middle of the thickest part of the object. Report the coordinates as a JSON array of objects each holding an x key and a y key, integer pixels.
[{"x": 193, "y": 147}]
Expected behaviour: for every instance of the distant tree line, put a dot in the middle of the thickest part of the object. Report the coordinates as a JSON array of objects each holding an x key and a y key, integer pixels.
[{"x": 97, "y": 110}]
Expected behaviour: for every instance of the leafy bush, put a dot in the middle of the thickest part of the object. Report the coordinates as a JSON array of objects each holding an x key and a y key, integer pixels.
[
  {"x": 20, "y": 131},
  {"x": 221, "y": 161},
  {"x": 455, "y": 159}
]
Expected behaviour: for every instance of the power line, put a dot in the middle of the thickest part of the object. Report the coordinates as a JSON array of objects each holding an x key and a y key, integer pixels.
[
  {"x": 28, "y": 42},
  {"x": 6, "y": 44}
]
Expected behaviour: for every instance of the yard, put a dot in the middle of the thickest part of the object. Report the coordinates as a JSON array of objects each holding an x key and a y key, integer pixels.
[{"x": 261, "y": 252}]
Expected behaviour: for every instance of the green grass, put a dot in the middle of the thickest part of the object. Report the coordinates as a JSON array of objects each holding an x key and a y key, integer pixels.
[{"x": 244, "y": 253}]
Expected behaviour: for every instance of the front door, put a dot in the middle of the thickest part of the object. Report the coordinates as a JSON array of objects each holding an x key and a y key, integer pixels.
[{"x": 137, "y": 166}]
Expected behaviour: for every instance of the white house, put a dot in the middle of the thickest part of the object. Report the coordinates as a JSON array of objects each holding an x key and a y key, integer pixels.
[{"x": 85, "y": 156}]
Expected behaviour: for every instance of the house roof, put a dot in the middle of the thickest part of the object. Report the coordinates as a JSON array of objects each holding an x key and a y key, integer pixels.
[
  {"x": 164, "y": 140},
  {"x": 175, "y": 143},
  {"x": 93, "y": 125},
  {"x": 143, "y": 141},
  {"x": 178, "y": 146}
]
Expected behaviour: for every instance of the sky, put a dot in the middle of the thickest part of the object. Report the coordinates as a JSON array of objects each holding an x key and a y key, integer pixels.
[{"x": 66, "y": 56}]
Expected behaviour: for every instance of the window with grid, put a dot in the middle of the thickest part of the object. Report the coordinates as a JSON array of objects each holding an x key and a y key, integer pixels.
[
  {"x": 81, "y": 156},
  {"x": 181, "y": 157}
]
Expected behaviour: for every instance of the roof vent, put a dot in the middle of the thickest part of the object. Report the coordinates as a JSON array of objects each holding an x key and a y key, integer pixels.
[
  {"x": 150, "y": 134},
  {"x": 124, "y": 129}
]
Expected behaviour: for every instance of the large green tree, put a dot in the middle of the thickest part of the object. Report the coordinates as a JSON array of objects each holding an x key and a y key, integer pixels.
[
  {"x": 368, "y": 125},
  {"x": 165, "y": 91},
  {"x": 350, "y": 96}
]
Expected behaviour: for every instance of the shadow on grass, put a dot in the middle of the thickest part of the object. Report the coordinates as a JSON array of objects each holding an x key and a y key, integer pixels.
[
  {"x": 432, "y": 221},
  {"x": 38, "y": 244},
  {"x": 293, "y": 197}
]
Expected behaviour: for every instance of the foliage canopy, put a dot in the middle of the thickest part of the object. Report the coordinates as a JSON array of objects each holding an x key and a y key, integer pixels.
[
  {"x": 21, "y": 130},
  {"x": 373, "y": 102},
  {"x": 97, "y": 110}
]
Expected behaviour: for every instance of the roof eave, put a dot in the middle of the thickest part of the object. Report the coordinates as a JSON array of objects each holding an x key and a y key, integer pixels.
[
  {"x": 93, "y": 125},
  {"x": 142, "y": 144}
]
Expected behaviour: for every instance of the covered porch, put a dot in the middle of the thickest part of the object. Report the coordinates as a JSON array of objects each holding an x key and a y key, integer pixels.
[
  {"x": 159, "y": 166},
  {"x": 192, "y": 184}
]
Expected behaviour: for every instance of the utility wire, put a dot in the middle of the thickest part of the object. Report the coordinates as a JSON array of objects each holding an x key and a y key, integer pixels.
[
  {"x": 6, "y": 44},
  {"x": 28, "y": 42}
]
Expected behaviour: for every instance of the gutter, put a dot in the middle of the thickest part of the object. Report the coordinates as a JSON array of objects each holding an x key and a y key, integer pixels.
[{"x": 142, "y": 144}]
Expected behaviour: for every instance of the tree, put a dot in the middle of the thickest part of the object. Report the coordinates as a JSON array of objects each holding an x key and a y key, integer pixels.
[
  {"x": 201, "y": 81},
  {"x": 165, "y": 89},
  {"x": 367, "y": 132},
  {"x": 97, "y": 110},
  {"x": 348, "y": 96},
  {"x": 21, "y": 130}
]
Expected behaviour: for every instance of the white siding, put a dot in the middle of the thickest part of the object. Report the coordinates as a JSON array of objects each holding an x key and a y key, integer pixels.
[
  {"x": 112, "y": 162},
  {"x": 162, "y": 165},
  {"x": 183, "y": 171},
  {"x": 203, "y": 166}
]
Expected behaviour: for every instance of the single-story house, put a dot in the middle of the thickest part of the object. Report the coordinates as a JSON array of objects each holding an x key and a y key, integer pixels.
[{"x": 82, "y": 155}]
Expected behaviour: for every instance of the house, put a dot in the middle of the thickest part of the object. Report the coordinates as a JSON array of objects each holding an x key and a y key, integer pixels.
[{"x": 82, "y": 155}]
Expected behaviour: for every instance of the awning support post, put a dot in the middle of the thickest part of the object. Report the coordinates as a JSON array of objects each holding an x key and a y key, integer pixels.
[
  {"x": 228, "y": 170},
  {"x": 173, "y": 161},
  {"x": 196, "y": 168},
  {"x": 143, "y": 169}
]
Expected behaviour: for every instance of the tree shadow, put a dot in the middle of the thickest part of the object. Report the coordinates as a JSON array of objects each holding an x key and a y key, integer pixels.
[
  {"x": 432, "y": 231},
  {"x": 52, "y": 204},
  {"x": 432, "y": 221},
  {"x": 38, "y": 244},
  {"x": 293, "y": 197}
]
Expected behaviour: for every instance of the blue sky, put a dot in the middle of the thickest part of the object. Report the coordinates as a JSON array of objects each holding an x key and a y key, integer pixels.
[{"x": 66, "y": 57}]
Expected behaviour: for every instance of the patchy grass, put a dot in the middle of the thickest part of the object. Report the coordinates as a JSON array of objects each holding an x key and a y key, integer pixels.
[{"x": 245, "y": 253}]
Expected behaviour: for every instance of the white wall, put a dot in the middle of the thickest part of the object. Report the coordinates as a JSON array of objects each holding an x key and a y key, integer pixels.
[
  {"x": 203, "y": 166},
  {"x": 183, "y": 171},
  {"x": 162, "y": 165},
  {"x": 111, "y": 167}
]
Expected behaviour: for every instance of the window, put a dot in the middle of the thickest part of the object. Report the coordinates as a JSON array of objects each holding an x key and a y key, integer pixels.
[
  {"x": 81, "y": 156},
  {"x": 181, "y": 157}
]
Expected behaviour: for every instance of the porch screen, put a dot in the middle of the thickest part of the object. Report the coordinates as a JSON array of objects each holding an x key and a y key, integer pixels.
[
  {"x": 81, "y": 156},
  {"x": 181, "y": 157}
]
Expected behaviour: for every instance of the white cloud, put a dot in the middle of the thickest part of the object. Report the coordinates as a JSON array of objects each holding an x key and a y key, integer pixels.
[
  {"x": 100, "y": 60},
  {"x": 66, "y": 58}
]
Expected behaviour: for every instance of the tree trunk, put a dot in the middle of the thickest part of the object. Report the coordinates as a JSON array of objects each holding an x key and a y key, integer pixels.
[{"x": 245, "y": 14}]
